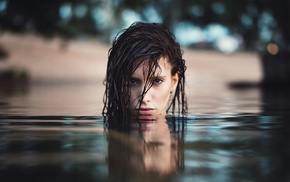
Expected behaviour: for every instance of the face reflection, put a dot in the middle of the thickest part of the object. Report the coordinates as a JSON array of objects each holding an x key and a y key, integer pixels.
[
  {"x": 156, "y": 100},
  {"x": 155, "y": 148}
]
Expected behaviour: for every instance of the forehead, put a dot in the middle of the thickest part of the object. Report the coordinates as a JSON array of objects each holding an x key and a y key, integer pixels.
[{"x": 163, "y": 64}]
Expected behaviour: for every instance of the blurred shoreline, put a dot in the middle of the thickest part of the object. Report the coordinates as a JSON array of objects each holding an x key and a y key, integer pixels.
[
  {"x": 53, "y": 59},
  {"x": 81, "y": 65}
]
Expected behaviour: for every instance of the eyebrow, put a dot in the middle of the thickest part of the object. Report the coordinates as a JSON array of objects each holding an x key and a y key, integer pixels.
[
  {"x": 157, "y": 76},
  {"x": 135, "y": 78},
  {"x": 160, "y": 76}
]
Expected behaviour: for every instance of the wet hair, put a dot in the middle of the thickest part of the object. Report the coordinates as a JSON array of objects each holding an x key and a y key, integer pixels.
[{"x": 146, "y": 42}]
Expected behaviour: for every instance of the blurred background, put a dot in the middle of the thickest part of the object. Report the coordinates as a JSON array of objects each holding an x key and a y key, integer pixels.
[
  {"x": 58, "y": 42},
  {"x": 220, "y": 24}
]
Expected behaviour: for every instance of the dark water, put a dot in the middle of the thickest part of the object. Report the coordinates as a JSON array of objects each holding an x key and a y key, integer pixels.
[{"x": 228, "y": 146}]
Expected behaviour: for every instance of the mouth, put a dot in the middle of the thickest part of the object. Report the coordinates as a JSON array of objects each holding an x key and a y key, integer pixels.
[{"x": 145, "y": 111}]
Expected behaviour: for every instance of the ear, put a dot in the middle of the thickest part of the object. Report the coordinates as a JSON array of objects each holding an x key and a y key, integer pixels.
[{"x": 174, "y": 82}]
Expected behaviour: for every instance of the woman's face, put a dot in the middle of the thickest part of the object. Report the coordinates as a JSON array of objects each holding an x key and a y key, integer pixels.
[{"x": 155, "y": 101}]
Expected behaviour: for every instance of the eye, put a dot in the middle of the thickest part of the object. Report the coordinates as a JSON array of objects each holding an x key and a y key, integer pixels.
[
  {"x": 158, "y": 80},
  {"x": 134, "y": 81}
]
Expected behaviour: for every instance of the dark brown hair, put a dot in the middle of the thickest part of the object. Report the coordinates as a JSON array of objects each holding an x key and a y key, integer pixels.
[{"x": 146, "y": 42}]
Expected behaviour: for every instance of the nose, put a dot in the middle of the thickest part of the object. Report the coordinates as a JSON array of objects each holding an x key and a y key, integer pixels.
[{"x": 147, "y": 97}]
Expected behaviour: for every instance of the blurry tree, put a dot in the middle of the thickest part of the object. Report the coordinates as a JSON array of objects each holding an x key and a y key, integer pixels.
[
  {"x": 263, "y": 24},
  {"x": 64, "y": 17},
  {"x": 69, "y": 18},
  {"x": 259, "y": 22}
]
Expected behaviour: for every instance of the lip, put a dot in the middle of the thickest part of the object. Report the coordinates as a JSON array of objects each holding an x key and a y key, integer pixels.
[{"x": 145, "y": 111}]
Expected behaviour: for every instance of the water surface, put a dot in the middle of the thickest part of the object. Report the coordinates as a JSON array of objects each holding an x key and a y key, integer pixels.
[{"x": 50, "y": 135}]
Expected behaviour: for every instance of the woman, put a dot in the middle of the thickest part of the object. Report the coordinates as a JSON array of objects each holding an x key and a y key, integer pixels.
[{"x": 145, "y": 74}]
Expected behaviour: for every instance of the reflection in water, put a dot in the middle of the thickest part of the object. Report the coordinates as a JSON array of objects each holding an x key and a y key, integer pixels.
[
  {"x": 276, "y": 144},
  {"x": 149, "y": 148},
  {"x": 208, "y": 148},
  {"x": 50, "y": 155},
  {"x": 237, "y": 149}
]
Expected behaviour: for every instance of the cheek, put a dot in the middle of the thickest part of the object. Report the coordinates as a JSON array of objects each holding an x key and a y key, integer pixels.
[
  {"x": 166, "y": 96},
  {"x": 164, "y": 93},
  {"x": 133, "y": 98}
]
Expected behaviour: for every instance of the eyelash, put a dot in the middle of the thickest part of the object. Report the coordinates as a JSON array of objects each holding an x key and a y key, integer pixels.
[
  {"x": 134, "y": 81},
  {"x": 158, "y": 81}
]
